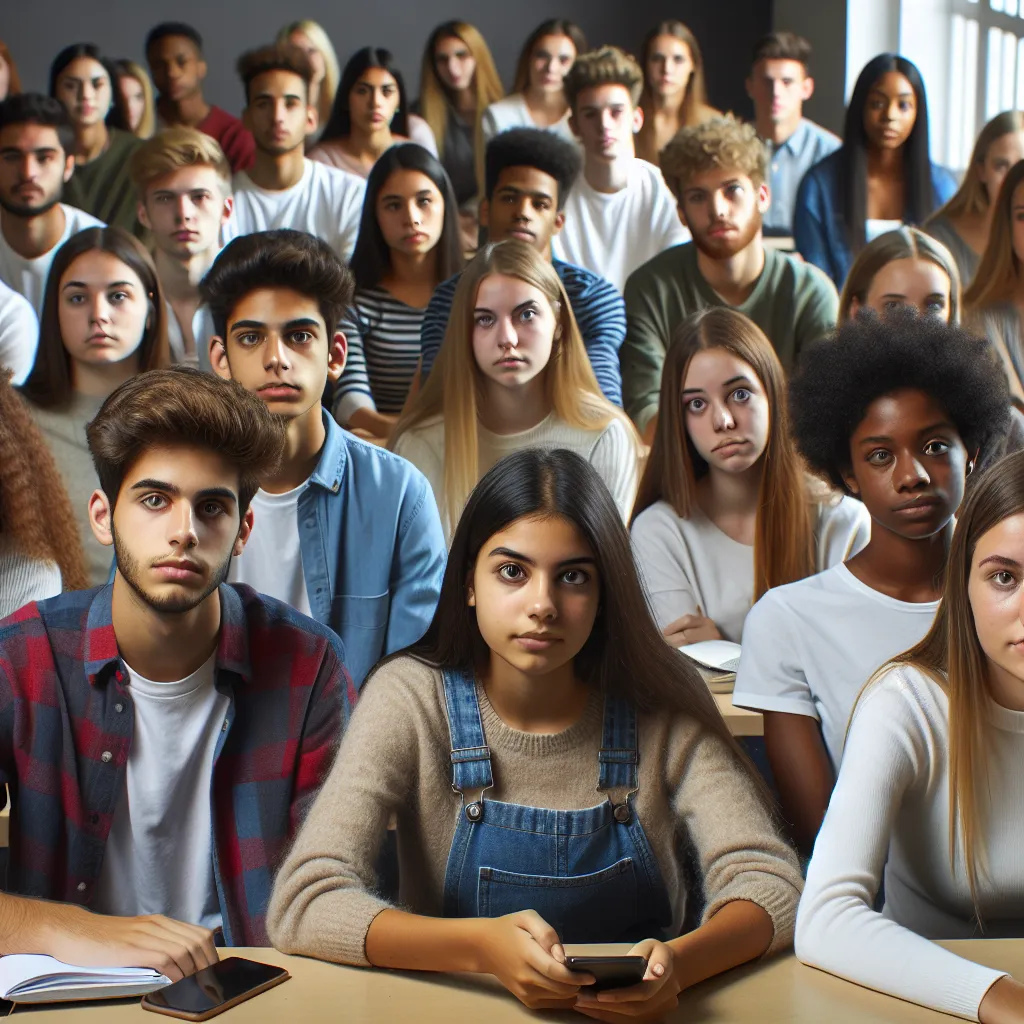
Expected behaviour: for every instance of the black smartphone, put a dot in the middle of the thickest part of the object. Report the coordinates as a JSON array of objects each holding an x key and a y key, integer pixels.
[
  {"x": 610, "y": 971},
  {"x": 214, "y": 989}
]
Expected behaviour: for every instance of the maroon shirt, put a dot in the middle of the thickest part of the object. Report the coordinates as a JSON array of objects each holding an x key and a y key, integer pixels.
[{"x": 236, "y": 141}]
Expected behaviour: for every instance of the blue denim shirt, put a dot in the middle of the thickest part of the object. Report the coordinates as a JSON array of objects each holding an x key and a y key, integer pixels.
[{"x": 373, "y": 551}]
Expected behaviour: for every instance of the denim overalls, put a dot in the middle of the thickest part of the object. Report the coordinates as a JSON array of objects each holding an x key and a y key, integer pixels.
[{"x": 590, "y": 874}]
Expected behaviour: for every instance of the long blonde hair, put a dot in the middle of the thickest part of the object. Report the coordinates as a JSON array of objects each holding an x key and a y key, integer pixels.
[
  {"x": 996, "y": 279},
  {"x": 453, "y": 389},
  {"x": 129, "y": 69},
  {"x": 318, "y": 36}
]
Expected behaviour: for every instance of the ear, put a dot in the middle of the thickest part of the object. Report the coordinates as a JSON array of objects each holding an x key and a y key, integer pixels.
[
  {"x": 559, "y": 222},
  {"x": 764, "y": 197},
  {"x": 851, "y": 483},
  {"x": 101, "y": 518},
  {"x": 69, "y": 167},
  {"x": 682, "y": 214},
  {"x": 807, "y": 89},
  {"x": 855, "y": 306},
  {"x": 973, "y": 462},
  {"x": 484, "y": 212},
  {"x": 312, "y": 119},
  {"x": 244, "y": 532},
  {"x": 638, "y": 119},
  {"x": 219, "y": 357},
  {"x": 202, "y": 69},
  {"x": 470, "y": 595},
  {"x": 140, "y": 212},
  {"x": 337, "y": 353},
  {"x": 225, "y": 213}
]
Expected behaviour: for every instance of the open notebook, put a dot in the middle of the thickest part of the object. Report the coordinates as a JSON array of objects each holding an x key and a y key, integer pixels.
[
  {"x": 34, "y": 978},
  {"x": 717, "y": 661}
]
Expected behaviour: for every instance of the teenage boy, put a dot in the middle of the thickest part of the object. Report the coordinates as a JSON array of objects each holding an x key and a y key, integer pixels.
[
  {"x": 162, "y": 736},
  {"x": 348, "y": 532},
  {"x": 36, "y": 159},
  {"x": 528, "y": 174},
  {"x": 183, "y": 183},
  {"x": 620, "y": 213},
  {"x": 779, "y": 84},
  {"x": 717, "y": 172},
  {"x": 175, "y": 55},
  {"x": 283, "y": 189}
]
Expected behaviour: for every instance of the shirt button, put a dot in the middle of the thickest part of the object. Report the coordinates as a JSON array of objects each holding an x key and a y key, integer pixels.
[
  {"x": 81, "y": 887},
  {"x": 224, "y": 727},
  {"x": 106, "y": 757},
  {"x": 119, "y": 708}
]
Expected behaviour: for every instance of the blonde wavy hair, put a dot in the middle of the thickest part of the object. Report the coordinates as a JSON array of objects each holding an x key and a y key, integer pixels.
[
  {"x": 716, "y": 143},
  {"x": 172, "y": 149},
  {"x": 318, "y": 36},
  {"x": 607, "y": 66}
]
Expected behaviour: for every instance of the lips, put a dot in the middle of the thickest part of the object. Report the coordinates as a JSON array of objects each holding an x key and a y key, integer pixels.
[
  {"x": 178, "y": 570},
  {"x": 522, "y": 234},
  {"x": 727, "y": 446},
  {"x": 537, "y": 641},
  {"x": 279, "y": 389}
]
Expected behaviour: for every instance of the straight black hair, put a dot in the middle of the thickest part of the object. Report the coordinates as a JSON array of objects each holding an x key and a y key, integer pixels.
[
  {"x": 117, "y": 117},
  {"x": 339, "y": 125}
]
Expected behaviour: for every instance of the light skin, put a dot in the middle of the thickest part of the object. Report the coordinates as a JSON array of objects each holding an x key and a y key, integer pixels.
[
  {"x": 1017, "y": 236},
  {"x": 605, "y": 120},
  {"x": 524, "y": 206},
  {"x": 316, "y": 62},
  {"x": 668, "y": 71},
  {"x": 779, "y": 89},
  {"x": 134, "y": 99},
  {"x": 372, "y": 103},
  {"x": 913, "y": 282},
  {"x": 178, "y": 69},
  {"x": 5, "y": 79},
  {"x": 280, "y": 117},
  {"x": 550, "y": 61},
  {"x": 889, "y": 117},
  {"x": 85, "y": 89},
  {"x": 991, "y": 171},
  {"x": 456, "y": 68}
]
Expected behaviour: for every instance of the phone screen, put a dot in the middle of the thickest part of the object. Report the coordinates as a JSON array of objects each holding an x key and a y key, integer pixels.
[{"x": 215, "y": 985}]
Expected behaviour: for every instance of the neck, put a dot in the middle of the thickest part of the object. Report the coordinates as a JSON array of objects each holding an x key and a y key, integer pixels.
[
  {"x": 31, "y": 237},
  {"x": 550, "y": 101},
  {"x": 904, "y": 568},
  {"x": 277, "y": 171},
  {"x": 90, "y": 142},
  {"x": 368, "y": 145},
  {"x": 464, "y": 101},
  {"x": 734, "y": 277},
  {"x": 885, "y": 161},
  {"x": 179, "y": 278},
  {"x": 189, "y": 111},
  {"x": 416, "y": 268},
  {"x": 303, "y": 442},
  {"x": 668, "y": 105},
  {"x": 778, "y": 132},
  {"x": 539, "y": 704},
  {"x": 100, "y": 380},
  {"x": 513, "y": 410},
  {"x": 608, "y": 176},
  {"x": 722, "y": 493},
  {"x": 1005, "y": 689}
]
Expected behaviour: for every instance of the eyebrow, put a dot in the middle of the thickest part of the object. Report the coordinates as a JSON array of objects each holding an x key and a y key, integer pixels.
[
  {"x": 741, "y": 379},
  {"x": 883, "y": 439},
  {"x": 289, "y": 325},
  {"x": 112, "y": 284},
  {"x": 1010, "y": 563},
  {"x": 899, "y": 95},
  {"x": 38, "y": 150},
  {"x": 395, "y": 195},
  {"x": 270, "y": 96},
  {"x": 509, "y": 553},
  {"x": 512, "y": 190},
  {"x": 149, "y": 484}
]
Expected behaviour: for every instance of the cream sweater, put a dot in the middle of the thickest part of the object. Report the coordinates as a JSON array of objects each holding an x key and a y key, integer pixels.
[{"x": 394, "y": 760}]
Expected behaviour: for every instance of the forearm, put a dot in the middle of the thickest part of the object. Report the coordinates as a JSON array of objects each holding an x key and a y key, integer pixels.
[
  {"x": 412, "y": 942},
  {"x": 37, "y": 926}
]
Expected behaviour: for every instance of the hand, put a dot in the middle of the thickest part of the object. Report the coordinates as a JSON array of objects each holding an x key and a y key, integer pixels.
[
  {"x": 1003, "y": 1003},
  {"x": 655, "y": 996},
  {"x": 691, "y": 629},
  {"x": 523, "y": 952}
]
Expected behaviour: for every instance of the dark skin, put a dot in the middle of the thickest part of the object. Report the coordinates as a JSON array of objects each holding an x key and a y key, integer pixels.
[
  {"x": 178, "y": 70},
  {"x": 909, "y": 466},
  {"x": 524, "y": 206},
  {"x": 889, "y": 117}
]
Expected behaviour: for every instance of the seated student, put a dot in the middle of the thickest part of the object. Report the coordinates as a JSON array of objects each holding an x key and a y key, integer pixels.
[
  {"x": 135, "y": 93},
  {"x": 103, "y": 321},
  {"x": 212, "y": 712},
  {"x": 882, "y": 175},
  {"x": 929, "y": 790},
  {"x": 183, "y": 183},
  {"x": 528, "y": 176},
  {"x": 620, "y": 213},
  {"x": 717, "y": 171},
  {"x": 408, "y": 244},
  {"x": 540, "y": 610},
  {"x": 175, "y": 55},
  {"x": 19, "y": 334},
  {"x": 284, "y": 189},
  {"x": 348, "y": 533},
  {"x": 895, "y": 410},
  {"x": 36, "y": 160},
  {"x": 725, "y": 510},
  {"x": 312, "y": 39}
]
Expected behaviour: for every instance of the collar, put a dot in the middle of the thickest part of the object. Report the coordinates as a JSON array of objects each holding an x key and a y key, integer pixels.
[
  {"x": 330, "y": 467},
  {"x": 797, "y": 140}
]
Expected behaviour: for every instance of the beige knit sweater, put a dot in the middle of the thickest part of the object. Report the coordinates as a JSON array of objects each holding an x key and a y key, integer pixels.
[{"x": 394, "y": 760}]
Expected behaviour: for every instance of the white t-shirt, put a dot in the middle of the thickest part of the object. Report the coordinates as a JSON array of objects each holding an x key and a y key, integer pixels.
[
  {"x": 809, "y": 647},
  {"x": 325, "y": 202},
  {"x": 202, "y": 331},
  {"x": 272, "y": 560},
  {"x": 613, "y": 233},
  {"x": 19, "y": 333},
  {"x": 159, "y": 855},
  {"x": 29, "y": 276},
  {"x": 513, "y": 112},
  {"x": 686, "y": 563}
]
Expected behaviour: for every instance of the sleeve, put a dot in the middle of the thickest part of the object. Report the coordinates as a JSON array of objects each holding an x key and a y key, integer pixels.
[
  {"x": 643, "y": 352},
  {"x": 435, "y": 323},
  {"x": 810, "y": 230},
  {"x": 837, "y": 928},
  {"x": 353, "y": 388},
  {"x": 601, "y": 317},
  {"x": 239, "y": 147},
  {"x": 19, "y": 334},
  {"x": 351, "y": 214},
  {"x": 616, "y": 459},
  {"x": 420, "y": 133},
  {"x": 843, "y": 530},
  {"x": 489, "y": 124},
  {"x": 666, "y": 226},
  {"x": 661, "y": 559},
  {"x": 12, "y": 652},
  {"x": 818, "y": 309}
]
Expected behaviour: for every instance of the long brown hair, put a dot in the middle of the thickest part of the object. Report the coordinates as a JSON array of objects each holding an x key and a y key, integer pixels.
[
  {"x": 553, "y": 27},
  {"x": 14, "y": 81},
  {"x": 784, "y": 531},
  {"x": 35, "y": 511},
  {"x": 996, "y": 279}
]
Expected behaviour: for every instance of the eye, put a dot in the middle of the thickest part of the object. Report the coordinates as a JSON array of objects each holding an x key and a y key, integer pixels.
[
  {"x": 301, "y": 337},
  {"x": 484, "y": 320},
  {"x": 733, "y": 190},
  {"x": 511, "y": 572},
  {"x": 879, "y": 457},
  {"x": 936, "y": 307},
  {"x": 426, "y": 201},
  {"x": 575, "y": 577},
  {"x": 154, "y": 501},
  {"x": 118, "y": 297},
  {"x": 212, "y": 509},
  {"x": 75, "y": 299},
  {"x": 891, "y": 304},
  {"x": 742, "y": 395},
  {"x": 1004, "y": 579},
  {"x": 250, "y": 338},
  {"x": 696, "y": 405},
  {"x": 528, "y": 315},
  {"x": 936, "y": 447}
]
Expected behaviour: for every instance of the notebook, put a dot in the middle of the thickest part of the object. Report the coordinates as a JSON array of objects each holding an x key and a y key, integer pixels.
[
  {"x": 717, "y": 662},
  {"x": 34, "y": 978}
]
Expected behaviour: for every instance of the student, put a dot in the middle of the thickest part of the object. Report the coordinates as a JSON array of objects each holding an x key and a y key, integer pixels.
[
  {"x": 284, "y": 189},
  {"x": 103, "y": 322},
  {"x": 513, "y": 373},
  {"x": 538, "y": 96},
  {"x": 882, "y": 175},
  {"x": 895, "y": 410},
  {"x": 135, "y": 92},
  {"x": 529, "y": 173},
  {"x": 540, "y": 613},
  {"x": 620, "y": 213},
  {"x": 312, "y": 39},
  {"x": 717, "y": 171},
  {"x": 725, "y": 510},
  {"x": 10, "y": 80},
  {"x": 929, "y": 789},
  {"x": 183, "y": 182},
  {"x": 19, "y": 333},
  {"x": 349, "y": 534},
  {"x": 83, "y": 80},
  {"x": 408, "y": 244},
  {"x": 780, "y": 84},
  {"x": 175, "y": 55},
  {"x": 674, "y": 94}
]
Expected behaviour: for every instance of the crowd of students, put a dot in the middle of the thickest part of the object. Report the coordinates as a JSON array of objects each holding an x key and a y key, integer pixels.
[{"x": 363, "y": 461}]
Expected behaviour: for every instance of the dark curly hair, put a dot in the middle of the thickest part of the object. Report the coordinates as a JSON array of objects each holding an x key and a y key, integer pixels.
[{"x": 872, "y": 356}]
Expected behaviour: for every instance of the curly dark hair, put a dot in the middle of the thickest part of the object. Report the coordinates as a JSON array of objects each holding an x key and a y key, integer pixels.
[{"x": 872, "y": 356}]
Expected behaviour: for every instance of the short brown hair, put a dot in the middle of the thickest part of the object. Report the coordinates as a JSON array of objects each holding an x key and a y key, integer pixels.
[
  {"x": 172, "y": 149},
  {"x": 783, "y": 46},
  {"x": 607, "y": 66},
  {"x": 276, "y": 57},
  {"x": 183, "y": 405},
  {"x": 721, "y": 142}
]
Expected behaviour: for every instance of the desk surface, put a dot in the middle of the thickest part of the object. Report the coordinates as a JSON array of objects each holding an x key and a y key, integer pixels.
[
  {"x": 741, "y": 721},
  {"x": 781, "y": 990}
]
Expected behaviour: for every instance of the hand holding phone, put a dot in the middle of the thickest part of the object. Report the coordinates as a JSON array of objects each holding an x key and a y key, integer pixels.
[
  {"x": 610, "y": 971},
  {"x": 650, "y": 997},
  {"x": 215, "y": 989}
]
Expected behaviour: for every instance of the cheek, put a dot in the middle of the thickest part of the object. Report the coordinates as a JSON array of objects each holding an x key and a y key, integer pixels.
[
  {"x": 74, "y": 321},
  {"x": 701, "y": 431},
  {"x": 131, "y": 319},
  {"x": 992, "y": 613}
]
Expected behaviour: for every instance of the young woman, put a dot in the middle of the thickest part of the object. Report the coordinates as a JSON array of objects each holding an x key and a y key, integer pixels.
[
  {"x": 371, "y": 114},
  {"x": 674, "y": 95},
  {"x": 135, "y": 94},
  {"x": 882, "y": 175},
  {"x": 538, "y": 98},
  {"x": 964, "y": 223},
  {"x": 408, "y": 244},
  {"x": 543, "y": 674},
  {"x": 313, "y": 41},
  {"x": 10, "y": 80},
  {"x": 512, "y": 373},
  {"x": 894, "y": 410},
  {"x": 930, "y": 789},
  {"x": 103, "y": 321},
  {"x": 725, "y": 510},
  {"x": 84, "y": 82}
]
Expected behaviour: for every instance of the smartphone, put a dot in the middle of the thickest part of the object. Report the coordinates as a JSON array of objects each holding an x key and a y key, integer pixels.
[
  {"x": 610, "y": 971},
  {"x": 215, "y": 989}
]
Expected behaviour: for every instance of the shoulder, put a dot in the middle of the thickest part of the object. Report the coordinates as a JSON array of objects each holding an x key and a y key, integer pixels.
[
  {"x": 659, "y": 520},
  {"x": 506, "y": 106},
  {"x": 15, "y": 309},
  {"x": 579, "y": 282},
  {"x": 377, "y": 469},
  {"x": 266, "y": 617},
  {"x": 805, "y": 277},
  {"x": 944, "y": 182},
  {"x": 825, "y": 142},
  {"x": 426, "y": 436},
  {"x": 66, "y": 614},
  {"x": 79, "y": 220},
  {"x": 847, "y": 514},
  {"x": 907, "y": 697},
  {"x": 822, "y": 178},
  {"x": 123, "y": 143},
  {"x": 445, "y": 291},
  {"x": 405, "y": 689},
  {"x": 665, "y": 267},
  {"x": 776, "y": 606}
]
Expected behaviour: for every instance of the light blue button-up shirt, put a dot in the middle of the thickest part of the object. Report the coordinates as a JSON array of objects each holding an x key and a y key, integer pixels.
[{"x": 787, "y": 164}]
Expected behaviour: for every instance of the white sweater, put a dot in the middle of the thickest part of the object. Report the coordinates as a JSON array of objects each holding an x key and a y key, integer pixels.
[{"x": 890, "y": 808}]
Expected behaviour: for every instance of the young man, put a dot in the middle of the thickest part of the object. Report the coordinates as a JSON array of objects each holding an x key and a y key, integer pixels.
[
  {"x": 36, "y": 159},
  {"x": 283, "y": 189},
  {"x": 183, "y": 182},
  {"x": 162, "y": 736},
  {"x": 528, "y": 175},
  {"x": 717, "y": 172},
  {"x": 175, "y": 55},
  {"x": 620, "y": 213},
  {"x": 780, "y": 84},
  {"x": 348, "y": 532}
]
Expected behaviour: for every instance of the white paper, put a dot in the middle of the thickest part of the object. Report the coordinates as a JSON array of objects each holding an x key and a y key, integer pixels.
[
  {"x": 723, "y": 655},
  {"x": 34, "y": 977}
]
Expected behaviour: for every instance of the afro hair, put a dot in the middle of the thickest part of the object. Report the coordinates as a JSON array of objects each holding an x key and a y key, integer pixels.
[{"x": 870, "y": 357}]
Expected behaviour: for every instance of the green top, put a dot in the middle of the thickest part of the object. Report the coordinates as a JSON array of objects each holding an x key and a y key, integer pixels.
[
  {"x": 793, "y": 302},
  {"x": 103, "y": 187}
]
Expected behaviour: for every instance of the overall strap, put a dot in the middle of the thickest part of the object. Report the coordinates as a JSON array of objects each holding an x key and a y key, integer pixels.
[
  {"x": 618, "y": 755},
  {"x": 470, "y": 755}
]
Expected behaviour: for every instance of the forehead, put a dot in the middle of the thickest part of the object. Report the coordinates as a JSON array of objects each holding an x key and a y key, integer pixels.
[
  {"x": 554, "y": 44},
  {"x": 99, "y": 268},
  {"x": 893, "y": 83},
  {"x": 776, "y": 67},
  {"x": 906, "y": 411},
  {"x": 910, "y": 272},
  {"x": 173, "y": 46},
  {"x": 451, "y": 45},
  {"x": 84, "y": 67},
  {"x": 529, "y": 179},
  {"x": 185, "y": 179},
  {"x": 543, "y": 539},
  {"x": 710, "y": 367},
  {"x": 606, "y": 95},
  {"x": 503, "y": 289},
  {"x": 1006, "y": 538},
  {"x": 669, "y": 45},
  {"x": 715, "y": 177},
  {"x": 377, "y": 76},
  {"x": 29, "y": 137},
  {"x": 278, "y": 82},
  {"x": 189, "y": 468},
  {"x": 1011, "y": 144},
  {"x": 407, "y": 181},
  {"x": 276, "y": 305}
]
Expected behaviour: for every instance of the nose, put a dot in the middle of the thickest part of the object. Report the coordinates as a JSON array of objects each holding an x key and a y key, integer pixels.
[
  {"x": 542, "y": 599},
  {"x": 892, "y": 111},
  {"x": 910, "y": 474},
  {"x": 508, "y": 339},
  {"x": 100, "y": 312},
  {"x": 279, "y": 111},
  {"x": 184, "y": 209},
  {"x": 182, "y": 526},
  {"x": 29, "y": 167},
  {"x": 719, "y": 205},
  {"x": 276, "y": 354},
  {"x": 722, "y": 417},
  {"x": 413, "y": 214},
  {"x": 776, "y": 89},
  {"x": 607, "y": 120},
  {"x": 522, "y": 208}
]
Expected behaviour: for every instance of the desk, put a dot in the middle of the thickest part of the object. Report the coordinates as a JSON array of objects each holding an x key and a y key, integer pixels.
[{"x": 741, "y": 721}]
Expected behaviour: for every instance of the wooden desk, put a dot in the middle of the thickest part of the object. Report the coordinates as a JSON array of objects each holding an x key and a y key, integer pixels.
[{"x": 741, "y": 721}]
